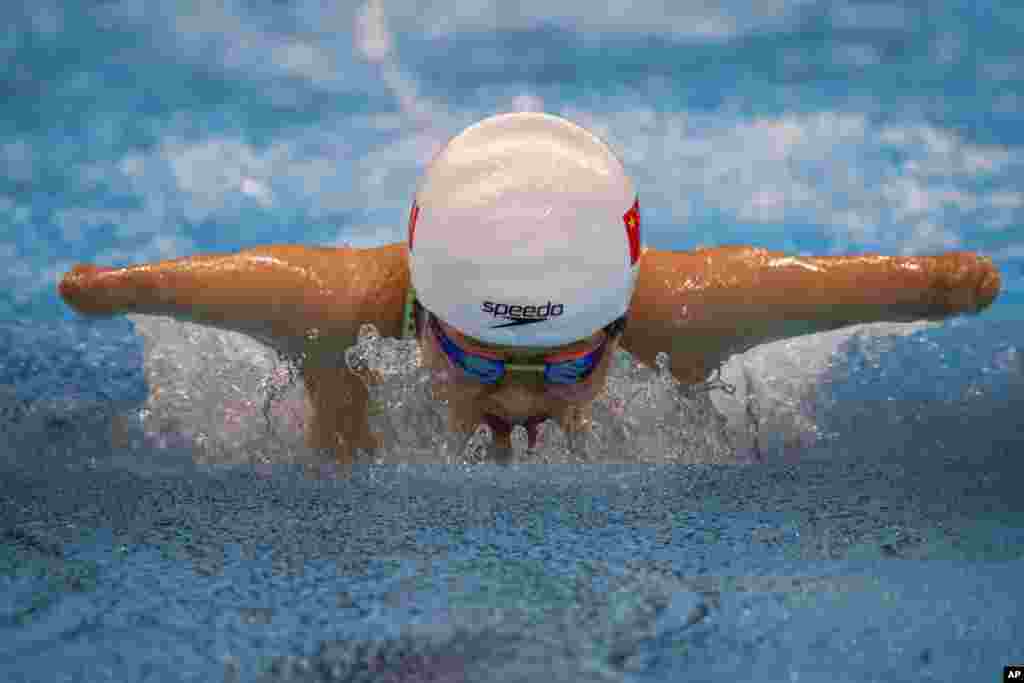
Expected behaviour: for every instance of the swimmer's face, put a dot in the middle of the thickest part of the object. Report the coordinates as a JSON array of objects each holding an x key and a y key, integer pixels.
[{"x": 518, "y": 396}]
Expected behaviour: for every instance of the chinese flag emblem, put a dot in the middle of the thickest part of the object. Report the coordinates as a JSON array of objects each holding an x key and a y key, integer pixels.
[
  {"x": 413, "y": 215},
  {"x": 632, "y": 220}
]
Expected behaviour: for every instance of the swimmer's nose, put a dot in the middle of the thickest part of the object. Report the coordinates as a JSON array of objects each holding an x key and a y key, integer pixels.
[{"x": 517, "y": 402}]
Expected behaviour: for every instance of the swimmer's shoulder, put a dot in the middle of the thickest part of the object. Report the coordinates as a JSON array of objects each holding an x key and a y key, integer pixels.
[
  {"x": 378, "y": 285},
  {"x": 358, "y": 285}
]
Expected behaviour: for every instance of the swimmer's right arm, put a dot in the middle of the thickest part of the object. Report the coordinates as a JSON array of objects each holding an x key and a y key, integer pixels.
[{"x": 278, "y": 292}]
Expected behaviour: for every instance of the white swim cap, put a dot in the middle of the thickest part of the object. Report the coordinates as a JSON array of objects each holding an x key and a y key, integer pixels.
[{"x": 525, "y": 231}]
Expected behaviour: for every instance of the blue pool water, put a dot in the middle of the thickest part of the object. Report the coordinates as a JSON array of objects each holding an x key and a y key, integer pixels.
[{"x": 890, "y": 457}]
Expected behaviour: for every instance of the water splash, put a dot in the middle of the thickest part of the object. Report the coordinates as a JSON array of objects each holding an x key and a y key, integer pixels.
[
  {"x": 218, "y": 394},
  {"x": 644, "y": 415},
  {"x": 219, "y": 398},
  {"x": 232, "y": 400}
]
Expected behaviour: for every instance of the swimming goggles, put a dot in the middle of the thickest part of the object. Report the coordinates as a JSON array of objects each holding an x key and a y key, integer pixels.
[{"x": 569, "y": 367}]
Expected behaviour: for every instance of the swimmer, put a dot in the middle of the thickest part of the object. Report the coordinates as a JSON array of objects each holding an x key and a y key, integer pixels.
[{"x": 522, "y": 272}]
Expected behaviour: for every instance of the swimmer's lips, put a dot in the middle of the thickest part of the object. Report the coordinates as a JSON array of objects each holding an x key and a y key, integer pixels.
[{"x": 502, "y": 427}]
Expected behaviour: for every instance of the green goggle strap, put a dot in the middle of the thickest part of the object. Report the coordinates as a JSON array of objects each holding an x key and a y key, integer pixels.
[{"x": 408, "y": 321}]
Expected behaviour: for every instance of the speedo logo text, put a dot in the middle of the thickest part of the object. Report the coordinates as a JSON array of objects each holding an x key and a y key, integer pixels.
[{"x": 522, "y": 315}]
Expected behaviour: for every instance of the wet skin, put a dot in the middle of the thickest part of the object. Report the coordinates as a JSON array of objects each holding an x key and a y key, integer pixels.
[
  {"x": 519, "y": 396},
  {"x": 699, "y": 306}
]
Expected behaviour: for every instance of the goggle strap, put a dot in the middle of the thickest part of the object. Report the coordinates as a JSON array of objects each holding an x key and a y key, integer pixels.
[{"x": 411, "y": 315}]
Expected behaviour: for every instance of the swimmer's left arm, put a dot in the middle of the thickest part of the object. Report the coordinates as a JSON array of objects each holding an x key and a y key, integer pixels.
[{"x": 707, "y": 305}]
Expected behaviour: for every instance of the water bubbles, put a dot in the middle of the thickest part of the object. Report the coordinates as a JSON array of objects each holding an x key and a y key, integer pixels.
[
  {"x": 237, "y": 401},
  {"x": 519, "y": 439},
  {"x": 662, "y": 361},
  {"x": 368, "y": 334},
  {"x": 643, "y": 415}
]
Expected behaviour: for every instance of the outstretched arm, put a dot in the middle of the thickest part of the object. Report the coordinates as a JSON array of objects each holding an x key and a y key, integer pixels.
[
  {"x": 278, "y": 294},
  {"x": 704, "y": 306},
  {"x": 295, "y": 299}
]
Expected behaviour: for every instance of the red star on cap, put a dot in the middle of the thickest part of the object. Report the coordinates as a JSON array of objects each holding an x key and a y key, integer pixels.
[{"x": 632, "y": 220}]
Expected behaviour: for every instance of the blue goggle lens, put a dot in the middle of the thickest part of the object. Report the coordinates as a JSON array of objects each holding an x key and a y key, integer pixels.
[
  {"x": 484, "y": 369},
  {"x": 573, "y": 371}
]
